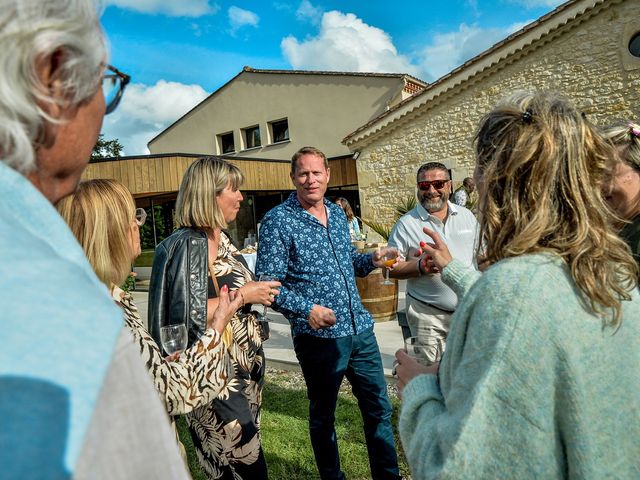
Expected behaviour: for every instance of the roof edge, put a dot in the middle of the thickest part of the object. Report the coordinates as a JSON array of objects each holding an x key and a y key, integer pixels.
[
  {"x": 247, "y": 69},
  {"x": 457, "y": 76}
]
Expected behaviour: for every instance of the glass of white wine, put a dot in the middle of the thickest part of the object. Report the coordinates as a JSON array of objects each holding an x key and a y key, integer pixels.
[
  {"x": 173, "y": 338},
  {"x": 390, "y": 256},
  {"x": 266, "y": 277}
]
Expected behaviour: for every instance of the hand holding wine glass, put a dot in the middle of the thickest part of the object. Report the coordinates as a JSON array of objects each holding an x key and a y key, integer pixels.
[
  {"x": 266, "y": 277},
  {"x": 386, "y": 257},
  {"x": 406, "y": 368}
]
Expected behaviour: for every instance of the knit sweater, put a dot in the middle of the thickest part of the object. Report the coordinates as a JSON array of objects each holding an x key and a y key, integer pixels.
[{"x": 531, "y": 384}]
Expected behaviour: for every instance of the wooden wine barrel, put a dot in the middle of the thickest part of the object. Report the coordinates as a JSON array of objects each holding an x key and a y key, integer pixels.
[{"x": 380, "y": 300}]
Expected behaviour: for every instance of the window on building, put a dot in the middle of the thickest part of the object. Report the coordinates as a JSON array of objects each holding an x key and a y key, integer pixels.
[
  {"x": 634, "y": 45},
  {"x": 225, "y": 143},
  {"x": 279, "y": 130},
  {"x": 251, "y": 137}
]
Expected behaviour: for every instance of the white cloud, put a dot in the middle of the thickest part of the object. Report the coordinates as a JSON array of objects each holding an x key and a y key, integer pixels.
[
  {"x": 282, "y": 6},
  {"x": 346, "y": 43},
  {"x": 473, "y": 6},
  {"x": 147, "y": 110},
  {"x": 450, "y": 50},
  {"x": 537, "y": 3},
  {"x": 181, "y": 8},
  {"x": 197, "y": 31},
  {"x": 306, "y": 11},
  {"x": 239, "y": 18}
]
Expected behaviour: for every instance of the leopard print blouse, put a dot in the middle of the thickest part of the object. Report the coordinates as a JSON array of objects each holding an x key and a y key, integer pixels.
[{"x": 201, "y": 373}]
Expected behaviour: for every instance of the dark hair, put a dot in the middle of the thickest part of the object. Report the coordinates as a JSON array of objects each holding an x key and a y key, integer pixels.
[
  {"x": 432, "y": 166},
  {"x": 467, "y": 181},
  {"x": 307, "y": 151}
]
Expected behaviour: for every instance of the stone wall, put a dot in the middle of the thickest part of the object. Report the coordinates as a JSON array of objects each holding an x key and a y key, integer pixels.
[{"x": 588, "y": 61}]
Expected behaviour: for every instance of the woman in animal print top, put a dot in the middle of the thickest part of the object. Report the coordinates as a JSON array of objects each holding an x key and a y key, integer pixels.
[{"x": 103, "y": 217}]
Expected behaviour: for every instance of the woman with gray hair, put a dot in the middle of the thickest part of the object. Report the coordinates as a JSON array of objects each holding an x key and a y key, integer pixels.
[{"x": 75, "y": 397}]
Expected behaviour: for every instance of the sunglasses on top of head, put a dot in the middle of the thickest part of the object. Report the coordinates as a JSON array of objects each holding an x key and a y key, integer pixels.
[
  {"x": 113, "y": 84},
  {"x": 141, "y": 216},
  {"x": 437, "y": 184}
]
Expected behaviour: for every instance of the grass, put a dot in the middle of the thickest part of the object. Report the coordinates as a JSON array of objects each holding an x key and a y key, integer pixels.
[
  {"x": 145, "y": 259},
  {"x": 285, "y": 436}
]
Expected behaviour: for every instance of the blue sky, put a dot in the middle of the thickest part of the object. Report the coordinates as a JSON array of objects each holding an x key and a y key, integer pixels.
[{"x": 180, "y": 51}]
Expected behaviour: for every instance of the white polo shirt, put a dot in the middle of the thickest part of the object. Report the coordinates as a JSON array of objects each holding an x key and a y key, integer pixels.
[{"x": 460, "y": 233}]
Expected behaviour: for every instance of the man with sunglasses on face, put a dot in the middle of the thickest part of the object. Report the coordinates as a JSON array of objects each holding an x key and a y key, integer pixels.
[{"x": 429, "y": 302}]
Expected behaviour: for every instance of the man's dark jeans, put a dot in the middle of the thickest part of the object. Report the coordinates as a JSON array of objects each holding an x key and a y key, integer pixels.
[{"x": 324, "y": 363}]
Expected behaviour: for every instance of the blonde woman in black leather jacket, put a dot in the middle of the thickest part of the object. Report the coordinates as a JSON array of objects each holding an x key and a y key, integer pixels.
[{"x": 189, "y": 268}]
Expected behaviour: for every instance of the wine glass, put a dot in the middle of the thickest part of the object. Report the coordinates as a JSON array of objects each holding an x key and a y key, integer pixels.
[
  {"x": 173, "y": 338},
  {"x": 389, "y": 257},
  {"x": 425, "y": 350},
  {"x": 266, "y": 277}
]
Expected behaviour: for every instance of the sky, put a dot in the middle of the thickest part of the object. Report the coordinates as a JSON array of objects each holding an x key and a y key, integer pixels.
[{"x": 180, "y": 51}]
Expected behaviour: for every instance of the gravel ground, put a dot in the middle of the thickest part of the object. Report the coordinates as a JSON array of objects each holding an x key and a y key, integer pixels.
[{"x": 294, "y": 379}]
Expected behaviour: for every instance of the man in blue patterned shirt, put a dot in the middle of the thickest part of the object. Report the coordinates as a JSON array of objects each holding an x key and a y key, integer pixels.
[{"x": 305, "y": 243}]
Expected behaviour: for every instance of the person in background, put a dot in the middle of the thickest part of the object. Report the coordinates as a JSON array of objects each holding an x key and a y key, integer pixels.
[
  {"x": 103, "y": 217},
  {"x": 537, "y": 380},
  {"x": 189, "y": 268},
  {"x": 623, "y": 190},
  {"x": 352, "y": 220},
  {"x": 305, "y": 243},
  {"x": 430, "y": 303},
  {"x": 465, "y": 195},
  {"x": 75, "y": 397}
]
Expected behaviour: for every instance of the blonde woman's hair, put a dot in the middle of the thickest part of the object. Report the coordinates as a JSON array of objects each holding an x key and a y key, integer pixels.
[
  {"x": 196, "y": 205},
  {"x": 542, "y": 165},
  {"x": 625, "y": 136},
  {"x": 100, "y": 214}
]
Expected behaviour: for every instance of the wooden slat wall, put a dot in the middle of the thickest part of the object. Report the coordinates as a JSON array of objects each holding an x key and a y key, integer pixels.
[
  {"x": 343, "y": 172},
  {"x": 148, "y": 176}
]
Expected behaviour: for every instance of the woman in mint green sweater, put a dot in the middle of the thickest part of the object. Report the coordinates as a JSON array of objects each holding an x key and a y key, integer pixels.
[{"x": 540, "y": 378}]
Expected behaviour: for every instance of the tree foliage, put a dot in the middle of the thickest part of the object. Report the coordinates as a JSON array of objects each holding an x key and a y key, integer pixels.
[
  {"x": 106, "y": 148},
  {"x": 146, "y": 231}
]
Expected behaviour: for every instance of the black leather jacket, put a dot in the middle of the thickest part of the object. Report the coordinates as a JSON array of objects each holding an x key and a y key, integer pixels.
[{"x": 178, "y": 286}]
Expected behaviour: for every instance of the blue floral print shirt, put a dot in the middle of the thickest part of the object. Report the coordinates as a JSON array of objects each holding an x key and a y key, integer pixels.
[{"x": 316, "y": 265}]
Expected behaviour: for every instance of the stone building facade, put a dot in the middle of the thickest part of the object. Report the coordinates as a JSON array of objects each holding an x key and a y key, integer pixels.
[{"x": 581, "y": 49}]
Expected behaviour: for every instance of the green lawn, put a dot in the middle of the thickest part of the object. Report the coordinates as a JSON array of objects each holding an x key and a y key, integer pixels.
[
  {"x": 285, "y": 437},
  {"x": 145, "y": 259}
]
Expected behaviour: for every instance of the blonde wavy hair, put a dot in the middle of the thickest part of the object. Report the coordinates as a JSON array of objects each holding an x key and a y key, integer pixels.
[
  {"x": 196, "y": 205},
  {"x": 541, "y": 165},
  {"x": 100, "y": 213},
  {"x": 625, "y": 136}
]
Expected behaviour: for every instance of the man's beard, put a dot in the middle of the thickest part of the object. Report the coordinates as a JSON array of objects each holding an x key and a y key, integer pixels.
[{"x": 434, "y": 204}]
